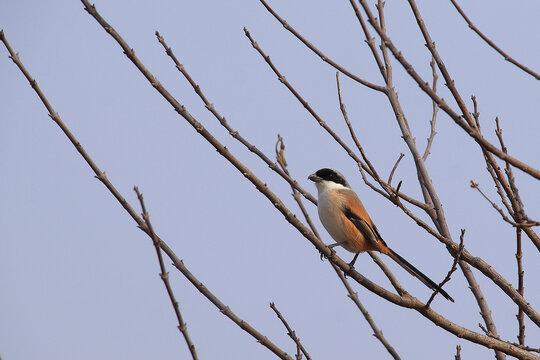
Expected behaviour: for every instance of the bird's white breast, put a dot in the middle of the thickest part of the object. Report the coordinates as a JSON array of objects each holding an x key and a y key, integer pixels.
[{"x": 330, "y": 210}]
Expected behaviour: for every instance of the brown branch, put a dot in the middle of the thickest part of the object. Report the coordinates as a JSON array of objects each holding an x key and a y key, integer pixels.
[
  {"x": 234, "y": 133},
  {"x": 164, "y": 274},
  {"x": 493, "y": 45},
  {"x": 320, "y": 53},
  {"x": 521, "y": 272},
  {"x": 292, "y": 334}
]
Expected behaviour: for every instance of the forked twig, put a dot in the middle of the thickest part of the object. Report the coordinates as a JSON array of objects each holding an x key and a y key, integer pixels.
[
  {"x": 452, "y": 269},
  {"x": 292, "y": 334}
]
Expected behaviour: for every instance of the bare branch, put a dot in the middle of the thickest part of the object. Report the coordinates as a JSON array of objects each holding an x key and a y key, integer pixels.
[
  {"x": 493, "y": 45},
  {"x": 165, "y": 275}
]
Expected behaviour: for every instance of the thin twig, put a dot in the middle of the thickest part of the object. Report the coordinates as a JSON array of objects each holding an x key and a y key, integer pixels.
[
  {"x": 434, "y": 112},
  {"x": 164, "y": 274},
  {"x": 476, "y": 186},
  {"x": 401, "y": 155},
  {"x": 520, "y": 212},
  {"x": 521, "y": 272},
  {"x": 393, "y": 280},
  {"x": 376, "y": 331},
  {"x": 493, "y": 45},
  {"x": 476, "y": 113},
  {"x": 292, "y": 334},
  {"x": 458, "y": 353},
  {"x": 374, "y": 173}
]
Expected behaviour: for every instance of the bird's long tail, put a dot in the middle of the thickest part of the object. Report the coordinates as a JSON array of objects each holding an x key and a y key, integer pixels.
[{"x": 418, "y": 274}]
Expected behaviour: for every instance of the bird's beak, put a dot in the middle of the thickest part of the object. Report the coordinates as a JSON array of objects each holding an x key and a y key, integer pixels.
[{"x": 314, "y": 178}]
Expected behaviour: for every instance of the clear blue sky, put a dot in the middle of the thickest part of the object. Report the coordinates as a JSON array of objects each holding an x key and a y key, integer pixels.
[{"x": 80, "y": 281}]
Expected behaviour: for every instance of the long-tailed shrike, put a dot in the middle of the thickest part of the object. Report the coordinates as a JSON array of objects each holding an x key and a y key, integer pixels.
[{"x": 346, "y": 220}]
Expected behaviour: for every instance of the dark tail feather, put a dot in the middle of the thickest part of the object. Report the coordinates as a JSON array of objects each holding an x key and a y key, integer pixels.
[{"x": 418, "y": 274}]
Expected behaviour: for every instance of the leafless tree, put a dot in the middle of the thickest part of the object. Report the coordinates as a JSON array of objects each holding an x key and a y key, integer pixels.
[{"x": 427, "y": 212}]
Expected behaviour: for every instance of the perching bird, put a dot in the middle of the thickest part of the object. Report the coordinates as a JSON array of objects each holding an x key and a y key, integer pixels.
[{"x": 346, "y": 220}]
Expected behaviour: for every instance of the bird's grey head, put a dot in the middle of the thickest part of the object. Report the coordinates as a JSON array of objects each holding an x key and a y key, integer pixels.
[{"x": 329, "y": 176}]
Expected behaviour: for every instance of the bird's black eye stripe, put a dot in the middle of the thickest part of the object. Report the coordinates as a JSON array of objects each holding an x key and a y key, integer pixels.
[{"x": 331, "y": 175}]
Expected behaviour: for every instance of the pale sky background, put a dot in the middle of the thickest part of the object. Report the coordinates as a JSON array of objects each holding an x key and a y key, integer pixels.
[{"x": 78, "y": 280}]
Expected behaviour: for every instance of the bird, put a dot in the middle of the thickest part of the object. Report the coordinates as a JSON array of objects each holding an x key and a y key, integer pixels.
[{"x": 346, "y": 220}]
